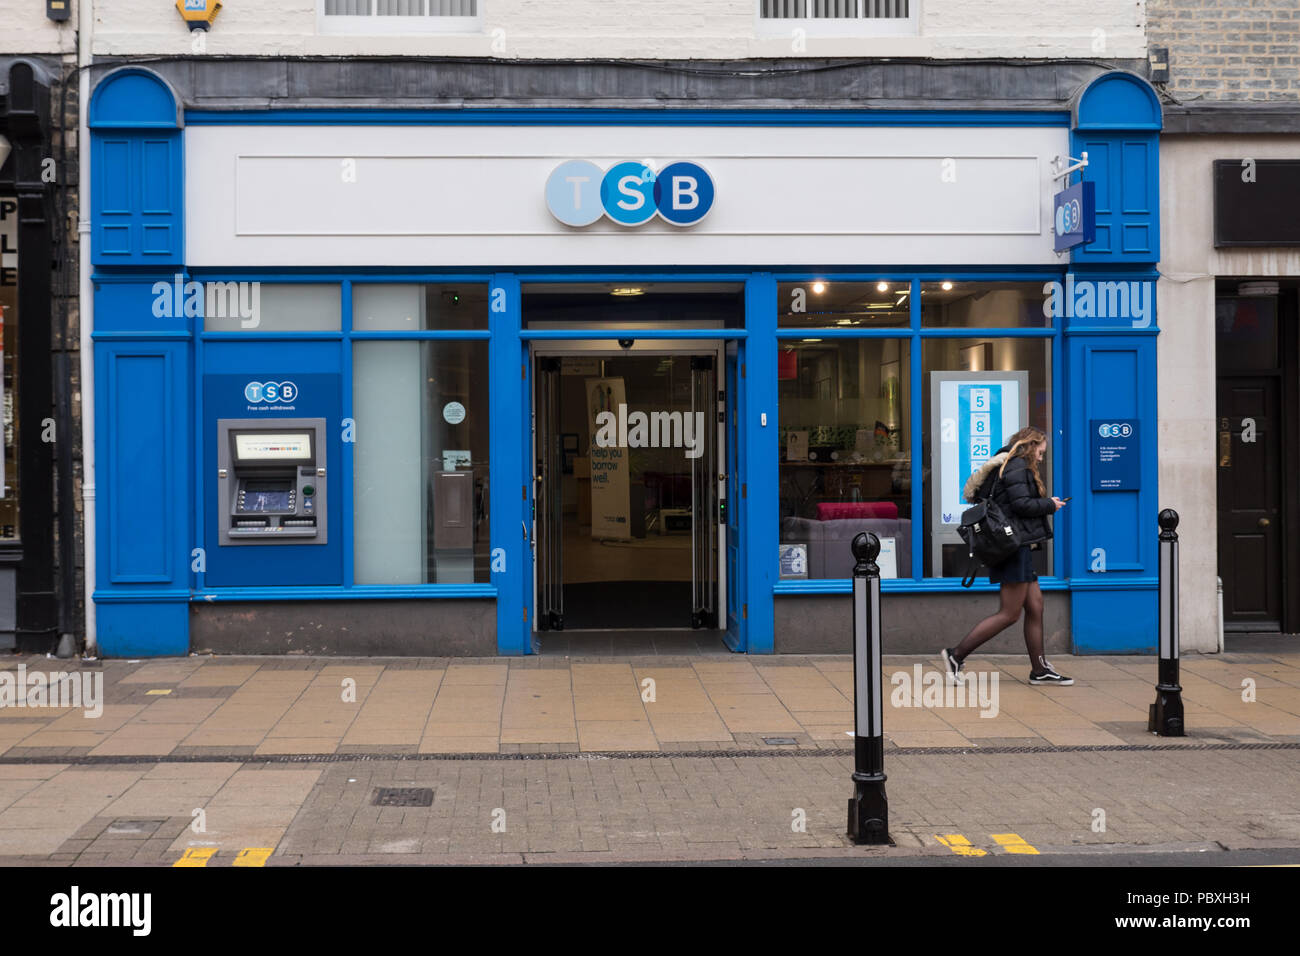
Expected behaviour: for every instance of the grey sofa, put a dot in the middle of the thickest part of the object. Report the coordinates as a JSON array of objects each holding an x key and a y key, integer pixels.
[{"x": 829, "y": 555}]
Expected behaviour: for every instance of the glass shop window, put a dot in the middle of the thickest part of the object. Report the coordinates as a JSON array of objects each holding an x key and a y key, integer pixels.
[{"x": 845, "y": 454}]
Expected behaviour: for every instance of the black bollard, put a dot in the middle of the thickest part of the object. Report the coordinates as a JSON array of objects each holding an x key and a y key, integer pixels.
[
  {"x": 1166, "y": 715},
  {"x": 868, "y": 807}
]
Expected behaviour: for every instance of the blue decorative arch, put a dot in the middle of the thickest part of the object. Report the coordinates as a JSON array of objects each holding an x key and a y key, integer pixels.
[
  {"x": 1116, "y": 122},
  {"x": 1117, "y": 100},
  {"x": 137, "y": 170},
  {"x": 135, "y": 98}
]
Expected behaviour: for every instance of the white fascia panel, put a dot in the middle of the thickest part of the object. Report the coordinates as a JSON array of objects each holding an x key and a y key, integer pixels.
[{"x": 474, "y": 196}]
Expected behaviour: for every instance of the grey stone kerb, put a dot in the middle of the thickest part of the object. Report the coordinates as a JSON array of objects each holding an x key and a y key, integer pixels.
[{"x": 248, "y": 83}]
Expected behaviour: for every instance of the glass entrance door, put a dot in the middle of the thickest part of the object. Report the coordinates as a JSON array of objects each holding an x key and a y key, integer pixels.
[
  {"x": 548, "y": 497},
  {"x": 627, "y": 488},
  {"x": 705, "y": 493}
]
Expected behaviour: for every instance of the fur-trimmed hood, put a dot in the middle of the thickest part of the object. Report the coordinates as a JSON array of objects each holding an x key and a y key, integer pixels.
[{"x": 976, "y": 481}]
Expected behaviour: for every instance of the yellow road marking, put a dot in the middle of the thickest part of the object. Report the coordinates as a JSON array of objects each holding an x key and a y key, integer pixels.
[
  {"x": 253, "y": 856},
  {"x": 960, "y": 845},
  {"x": 1012, "y": 843},
  {"x": 151, "y": 693},
  {"x": 196, "y": 856}
]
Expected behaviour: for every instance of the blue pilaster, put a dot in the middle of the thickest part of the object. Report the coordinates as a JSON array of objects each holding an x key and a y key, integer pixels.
[
  {"x": 144, "y": 369},
  {"x": 1110, "y": 330},
  {"x": 760, "y": 479},
  {"x": 511, "y": 476}
]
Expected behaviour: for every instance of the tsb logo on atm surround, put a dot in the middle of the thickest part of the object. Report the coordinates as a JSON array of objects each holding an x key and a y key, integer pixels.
[
  {"x": 629, "y": 193},
  {"x": 1115, "y": 431},
  {"x": 259, "y": 392}
]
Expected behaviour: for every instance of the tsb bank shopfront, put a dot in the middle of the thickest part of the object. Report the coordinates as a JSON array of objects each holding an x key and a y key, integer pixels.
[{"x": 455, "y": 382}]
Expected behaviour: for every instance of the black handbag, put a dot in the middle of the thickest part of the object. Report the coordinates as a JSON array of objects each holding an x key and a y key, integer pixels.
[{"x": 989, "y": 535}]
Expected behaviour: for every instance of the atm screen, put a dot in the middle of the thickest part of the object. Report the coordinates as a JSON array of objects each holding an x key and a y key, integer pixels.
[
  {"x": 265, "y": 497},
  {"x": 264, "y": 446}
]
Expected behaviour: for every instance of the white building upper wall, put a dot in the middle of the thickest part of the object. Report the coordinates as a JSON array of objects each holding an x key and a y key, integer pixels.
[
  {"x": 643, "y": 29},
  {"x": 24, "y": 28}
]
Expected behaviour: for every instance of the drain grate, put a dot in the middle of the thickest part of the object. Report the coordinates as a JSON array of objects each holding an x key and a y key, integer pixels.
[
  {"x": 135, "y": 827},
  {"x": 780, "y": 741},
  {"x": 402, "y": 797}
]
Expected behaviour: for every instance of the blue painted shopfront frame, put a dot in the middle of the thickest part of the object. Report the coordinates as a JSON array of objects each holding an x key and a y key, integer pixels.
[
  {"x": 145, "y": 575},
  {"x": 758, "y": 343}
]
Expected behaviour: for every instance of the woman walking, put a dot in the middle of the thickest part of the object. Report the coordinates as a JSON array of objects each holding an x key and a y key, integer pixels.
[{"x": 1018, "y": 488}]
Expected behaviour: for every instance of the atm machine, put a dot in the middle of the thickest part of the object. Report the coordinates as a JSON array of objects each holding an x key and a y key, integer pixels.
[{"x": 272, "y": 481}]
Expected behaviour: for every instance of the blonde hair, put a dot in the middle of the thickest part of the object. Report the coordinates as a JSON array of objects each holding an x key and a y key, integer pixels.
[{"x": 1022, "y": 444}]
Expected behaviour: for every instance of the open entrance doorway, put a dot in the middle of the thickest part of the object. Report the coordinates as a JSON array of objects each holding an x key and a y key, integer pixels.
[{"x": 629, "y": 495}]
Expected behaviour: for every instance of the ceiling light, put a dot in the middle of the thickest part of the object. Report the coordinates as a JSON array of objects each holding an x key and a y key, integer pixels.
[
  {"x": 882, "y": 286},
  {"x": 627, "y": 290},
  {"x": 819, "y": 287},
  {"x": 947, "y": 287}
]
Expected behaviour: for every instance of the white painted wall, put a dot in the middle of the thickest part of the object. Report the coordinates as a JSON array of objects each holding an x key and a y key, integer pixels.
[
  {"x": 1185, "y": 296},
  {"x": 24, "y": 28},
  {"x": 433, "y": 196},
  {"x": 652, "y": 29}
]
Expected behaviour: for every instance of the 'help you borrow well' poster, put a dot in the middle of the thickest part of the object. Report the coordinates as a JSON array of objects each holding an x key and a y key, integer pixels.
[{"x": 609, "y": 463}]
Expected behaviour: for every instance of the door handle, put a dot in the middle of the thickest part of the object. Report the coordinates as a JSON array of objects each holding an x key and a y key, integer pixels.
[{"x": 1263, "y": 522}]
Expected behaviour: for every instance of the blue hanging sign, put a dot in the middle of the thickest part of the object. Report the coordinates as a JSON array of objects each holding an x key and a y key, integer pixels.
[
  {"x": 1074, "y": 215},
  {"x": 1116, "y": 465}
]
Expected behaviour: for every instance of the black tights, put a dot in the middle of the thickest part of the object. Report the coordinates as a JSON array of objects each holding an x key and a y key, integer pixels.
[{"x": 1028, "y": 596}]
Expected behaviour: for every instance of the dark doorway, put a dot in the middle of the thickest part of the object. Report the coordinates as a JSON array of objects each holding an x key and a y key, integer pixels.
[
  {"x": 1256, "y": 448},
  {"x": 627, "y": 500}
]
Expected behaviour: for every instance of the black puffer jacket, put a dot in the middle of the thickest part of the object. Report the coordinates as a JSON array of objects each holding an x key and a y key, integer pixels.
[{"x": 1017, "y": 495}]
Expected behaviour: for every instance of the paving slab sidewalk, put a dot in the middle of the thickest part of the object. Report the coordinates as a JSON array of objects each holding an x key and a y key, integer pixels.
[
  {"x": 213, "y": 706},
  {"x": 208, "y": 761}
]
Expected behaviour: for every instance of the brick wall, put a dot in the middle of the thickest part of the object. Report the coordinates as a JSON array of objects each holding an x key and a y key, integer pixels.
[{"x": 1229, "y": 49}]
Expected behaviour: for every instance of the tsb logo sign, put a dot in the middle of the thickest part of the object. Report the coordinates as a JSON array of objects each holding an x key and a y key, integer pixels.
[
  {"x": 1123, "y": 430},
  {"x": 631, "y": 193},
  {"x": 258, "y": 392}
]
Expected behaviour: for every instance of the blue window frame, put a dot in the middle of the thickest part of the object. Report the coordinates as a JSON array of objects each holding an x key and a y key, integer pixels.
[
  {"x": 344, "y": 338},
  {"x": 916, "y": 334},
  {"x": 764, "y": 487}
]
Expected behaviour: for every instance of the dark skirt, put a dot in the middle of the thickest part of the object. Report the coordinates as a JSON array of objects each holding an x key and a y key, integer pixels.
[{"x": 1017, "y": 569}]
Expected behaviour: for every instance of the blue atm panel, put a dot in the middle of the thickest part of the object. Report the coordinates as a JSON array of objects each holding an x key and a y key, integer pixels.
[{"x": 276, "y": 390}]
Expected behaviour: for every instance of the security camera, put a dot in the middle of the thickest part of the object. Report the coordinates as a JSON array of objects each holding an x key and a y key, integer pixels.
[{"x": 626, "y": 343}]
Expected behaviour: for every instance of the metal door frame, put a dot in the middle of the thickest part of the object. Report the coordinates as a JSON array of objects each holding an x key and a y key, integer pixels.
[{"x": 603, "y": 348}]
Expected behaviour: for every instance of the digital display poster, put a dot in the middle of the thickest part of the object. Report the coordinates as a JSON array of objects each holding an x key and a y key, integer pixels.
[{"x": 977, "y": 413}]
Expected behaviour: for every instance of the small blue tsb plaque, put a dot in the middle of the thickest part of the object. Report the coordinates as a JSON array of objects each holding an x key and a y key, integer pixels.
[{"x": 1116, "y": 464}]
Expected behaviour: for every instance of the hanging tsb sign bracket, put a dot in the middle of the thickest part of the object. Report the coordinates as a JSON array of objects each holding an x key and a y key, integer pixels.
[{"x": 1059, "y": 162}]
